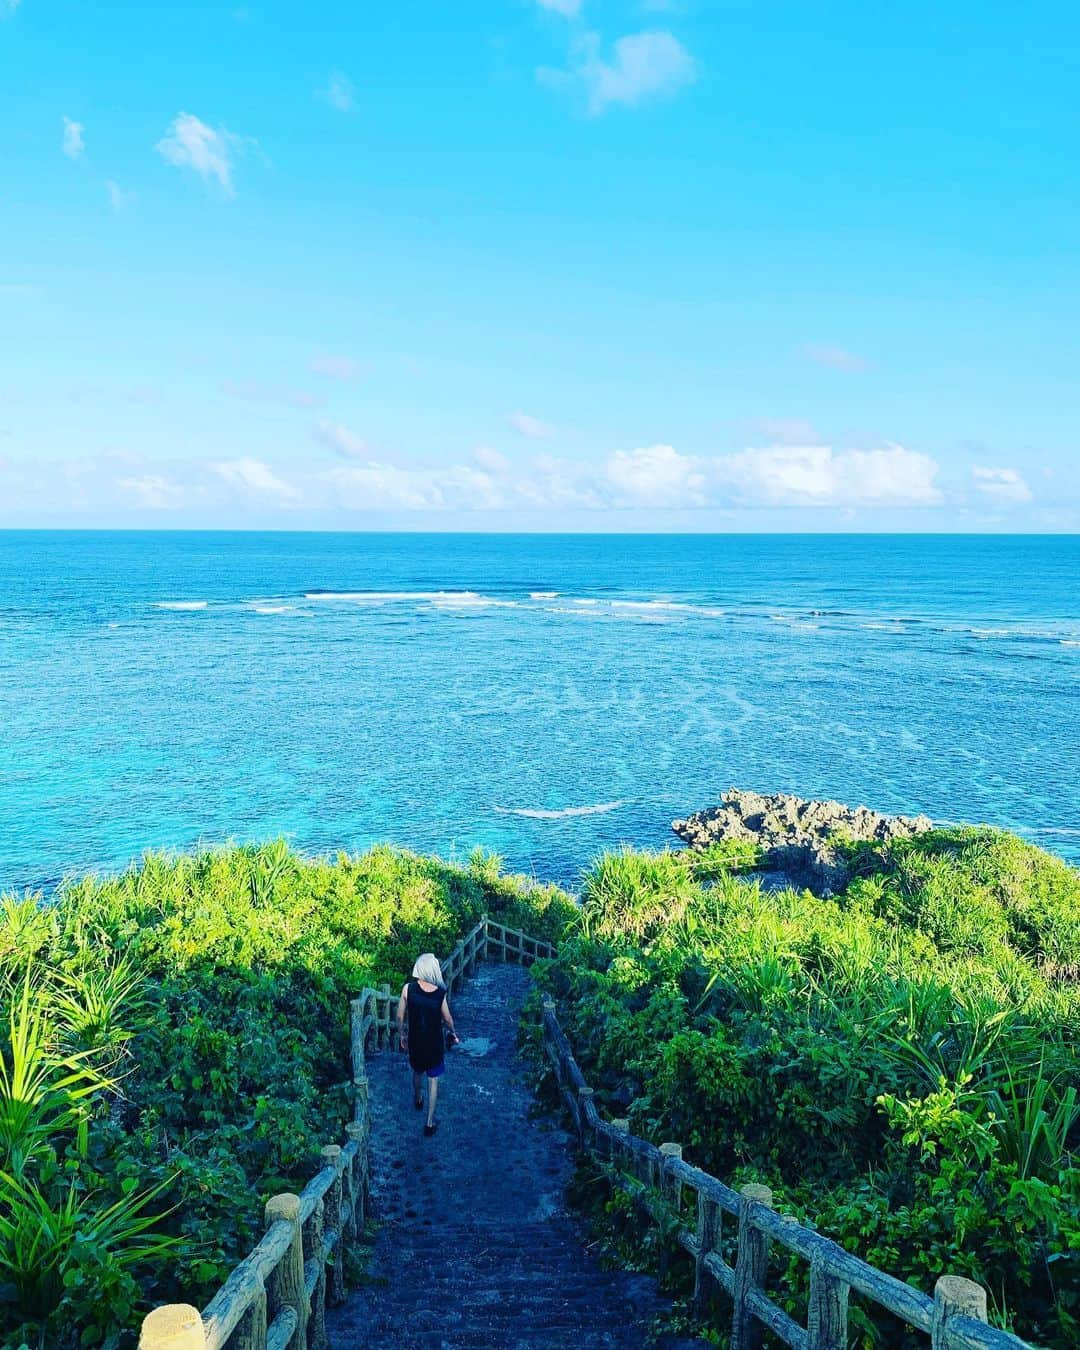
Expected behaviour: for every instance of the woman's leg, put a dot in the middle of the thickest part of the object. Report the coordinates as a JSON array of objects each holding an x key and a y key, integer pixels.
[
  {"x": 432, "y": 1098},
  {"x": 417, "y": 1085}
]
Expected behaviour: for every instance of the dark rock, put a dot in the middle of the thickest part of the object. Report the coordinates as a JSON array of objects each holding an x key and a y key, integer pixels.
[{"x": 798, "y": 837}]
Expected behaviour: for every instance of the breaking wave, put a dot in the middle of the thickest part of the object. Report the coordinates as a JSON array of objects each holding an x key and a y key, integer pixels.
[{"x": 542, "y": 813}]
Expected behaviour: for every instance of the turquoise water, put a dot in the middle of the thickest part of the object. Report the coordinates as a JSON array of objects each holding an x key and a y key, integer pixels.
[{"x": 546, "y": 696}]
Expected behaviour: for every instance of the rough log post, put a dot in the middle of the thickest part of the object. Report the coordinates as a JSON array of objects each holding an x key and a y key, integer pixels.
[
  {"x": 251, "y": 1333},
  {"x": 585, "y": 1096},
  {"x": 709, "y": 1220},
  {"x": 287, "y": 1279},
  {"x": 331, "y": 1157},
  {"x": 177, "y": 1326},
  {"x": 483, "y": 937},
  {"x": 384, "y": 989},
  {"x": 313, "y": 1232},
  {"x": 954, "y": 1297},
  {"x": 750, "y": 1267},
  {"x": 360, "y": 1096},
  {"x": 357, "y": 1130},
  {"x": 547, "y": 1015},
  {"x": 356, "y": 1039},
  {"x": 671, "y": 1192},
  {"x": 827, "y": 1312},
  {"x": 621, "y": 1126}
]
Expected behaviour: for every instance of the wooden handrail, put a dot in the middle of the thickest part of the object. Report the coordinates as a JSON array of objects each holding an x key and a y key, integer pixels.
[
  {"x": 276, "y": 1297},
  {"x": 659, "y": 1180}
]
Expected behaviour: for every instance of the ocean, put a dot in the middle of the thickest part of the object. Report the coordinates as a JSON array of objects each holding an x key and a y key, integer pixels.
[{"x": 545, "y": 696}]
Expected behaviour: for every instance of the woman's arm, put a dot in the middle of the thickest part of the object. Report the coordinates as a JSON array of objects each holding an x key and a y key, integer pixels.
[
  {"x": 403, "y": 1030},
  {"x": 447, "y": 1017}
]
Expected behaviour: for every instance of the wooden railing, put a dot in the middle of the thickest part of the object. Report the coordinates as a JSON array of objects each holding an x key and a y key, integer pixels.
[
  {"x": 690, "y": 1205},
  {"x": 277, "y": 1296}
]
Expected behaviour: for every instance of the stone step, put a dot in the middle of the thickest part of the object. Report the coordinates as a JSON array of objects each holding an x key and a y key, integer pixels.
[{"x": 476, "y": 1247}]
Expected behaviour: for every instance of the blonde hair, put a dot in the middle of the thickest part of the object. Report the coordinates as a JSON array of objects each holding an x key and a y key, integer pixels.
[{"x": 427, "y": 968}]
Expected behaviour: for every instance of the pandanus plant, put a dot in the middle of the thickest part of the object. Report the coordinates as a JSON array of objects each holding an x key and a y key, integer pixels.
[{"x": 62, "y": 1039}]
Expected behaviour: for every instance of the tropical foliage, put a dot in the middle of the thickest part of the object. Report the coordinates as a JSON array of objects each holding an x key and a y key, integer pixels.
[
  {"x": 898, "y": 1062},
  {"x": 173, "y": 1050}
]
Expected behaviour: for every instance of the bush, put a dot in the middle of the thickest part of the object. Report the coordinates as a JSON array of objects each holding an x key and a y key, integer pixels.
[{"x": 899, "y": 1062}]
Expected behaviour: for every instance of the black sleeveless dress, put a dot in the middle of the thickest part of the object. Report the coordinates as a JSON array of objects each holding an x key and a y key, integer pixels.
[{"x": 425, "y": 1028}]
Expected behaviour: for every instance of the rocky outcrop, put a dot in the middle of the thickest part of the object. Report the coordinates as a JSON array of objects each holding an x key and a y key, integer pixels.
[{"x": 798, "y": 837}]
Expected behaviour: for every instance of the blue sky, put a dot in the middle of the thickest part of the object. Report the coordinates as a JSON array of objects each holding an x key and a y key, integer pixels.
[{"x": 513, "y": 264}]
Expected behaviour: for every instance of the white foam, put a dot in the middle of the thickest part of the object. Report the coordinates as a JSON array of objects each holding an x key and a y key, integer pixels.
[
  {"x": 274, "y": 609},
  {"x": 540, "y": 813},
  {"x": 383, "y": 597},
  {"x": 181, "y": 604},
  {"x": 467, "y": 600},
  {"x": 543, "y": 595}
]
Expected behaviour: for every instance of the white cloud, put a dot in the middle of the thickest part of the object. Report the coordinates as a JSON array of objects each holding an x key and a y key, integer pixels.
[
  {"x": 73, "y": 143},
  {"x": 641, "y": 66},
  {"x": 337, "y": 367},
  {"x": 339, "y": 92},
  {"x": 190, "y": 144},
  {"x": 254, "y": 477},
  {"x": 154, "y": 492},
  {"x": 835, "y": 358},
  {"x": 8, "y": 7},
  {"x": 656, "y": 475},
  {"x": 118, "y": 197},
  {"x": 531, "y": 427},
  {"x": 1002, "y": 485},
  {"x": 494, "y": 461},
  {"x": 820, "y": 476},
  {"x": 337, "y": 437},
  {"x": 377, "y": 486},
  {"x": 569, "y": 9},
  {"x": 119, "y": 484}
]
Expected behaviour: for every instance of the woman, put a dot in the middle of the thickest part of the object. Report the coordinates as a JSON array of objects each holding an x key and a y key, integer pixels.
[{"x": 422, "y": 1010}]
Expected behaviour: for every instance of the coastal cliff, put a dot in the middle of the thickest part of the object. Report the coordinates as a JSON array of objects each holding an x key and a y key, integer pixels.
[{"x": 796, "y": 837}]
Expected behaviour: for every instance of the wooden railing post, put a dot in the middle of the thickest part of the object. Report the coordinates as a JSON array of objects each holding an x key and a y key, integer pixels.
[
  {"x": 709, "y": 1232},
  {"x": 750, "y": 1266},
  {"x": 176, "y": 1326},
  {"x": 251, "y": 1333},
  {"x": 585, "y": 1096},
  {"x": 357, "y": 1130},
  {"x": 384, "y": 990},
  {"x": 954, "y": 1297},
  {"x": 331, "y": 1157},
  {"x": 313, "y": 1233},
  {"x": 287, "y": 1280},
  {"x": 827, "y": 1312},
  {"x": 671, "y": 1194}
]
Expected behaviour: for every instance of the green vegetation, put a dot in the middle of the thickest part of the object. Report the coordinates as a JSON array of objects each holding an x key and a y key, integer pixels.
[
  {"x": 175, "y": 1051},
  {"x": 899, "y": 1062}
]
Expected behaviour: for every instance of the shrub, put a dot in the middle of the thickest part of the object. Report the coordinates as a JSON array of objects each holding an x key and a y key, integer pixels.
[{"x": 898, "y": 1062}]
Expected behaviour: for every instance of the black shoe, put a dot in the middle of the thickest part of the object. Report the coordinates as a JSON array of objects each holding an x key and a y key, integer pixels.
[{"x": 429, "y": 1130}]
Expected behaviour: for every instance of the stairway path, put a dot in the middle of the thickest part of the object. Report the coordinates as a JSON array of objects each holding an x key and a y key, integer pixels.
[{"x": 475, "y": 1246}]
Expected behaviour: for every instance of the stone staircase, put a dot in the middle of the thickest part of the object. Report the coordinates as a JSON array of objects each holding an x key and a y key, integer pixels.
[{"x": 475, "y": 1246}]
